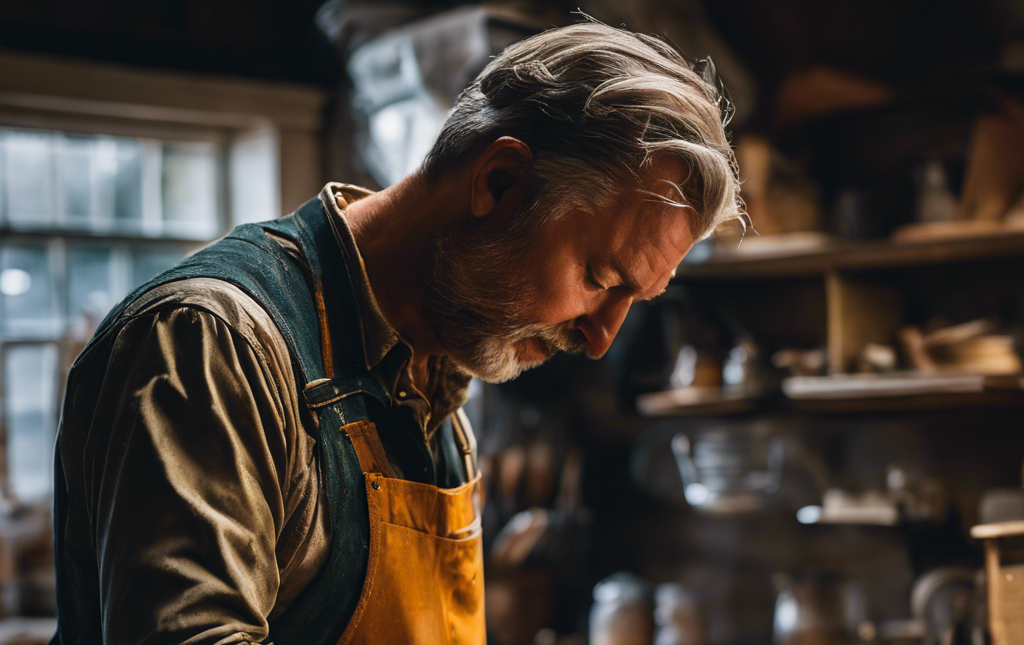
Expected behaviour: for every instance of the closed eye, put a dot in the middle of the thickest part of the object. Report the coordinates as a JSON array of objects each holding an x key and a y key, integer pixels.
[{"x": 591, "y": 280}]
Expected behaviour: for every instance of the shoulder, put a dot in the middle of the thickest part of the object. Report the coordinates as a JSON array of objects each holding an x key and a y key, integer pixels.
[
  {"x": 193, "y": 363},
  {"x": 211, "y": 297},
  {"x": 202, "y": 332}
]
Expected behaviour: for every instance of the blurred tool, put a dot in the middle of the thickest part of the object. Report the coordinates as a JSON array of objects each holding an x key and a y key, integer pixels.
[
  {"x": 943, "y": 606},
  {"x": 919, "y": 497},
  {"x": 519, "y": 538},
  {"x": 742, "y": 369},
  {"x": 540, "y": 542},
  {"x": 875, "y": 357},
  {"x": 696, "y": 368}
]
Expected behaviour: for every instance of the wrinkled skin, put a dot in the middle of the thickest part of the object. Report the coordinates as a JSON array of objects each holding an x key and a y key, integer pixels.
[{"x": 504, "y": 295}]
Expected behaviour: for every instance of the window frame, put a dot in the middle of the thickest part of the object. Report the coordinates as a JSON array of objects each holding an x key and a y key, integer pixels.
[
  {"x": 269, "y": 135},
  {"x": 152, "y": 225}
]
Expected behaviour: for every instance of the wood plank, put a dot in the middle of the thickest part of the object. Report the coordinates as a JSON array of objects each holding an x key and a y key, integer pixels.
[
  {"x": 849, "y": 255},
  {"x": 910, "y": 403},
  {"x": 986, "y": 393},
  {"x": 696, "y": 401},
  {"x": 859, "y": 312},
  {"x": 997, "y": 530}
]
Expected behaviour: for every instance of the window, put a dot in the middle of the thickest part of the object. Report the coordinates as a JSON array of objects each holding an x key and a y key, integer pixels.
[
  {"x": 85, "y": 218},
  {"x": 105, "y": 182},
  {"x": 54, "y": 181}
]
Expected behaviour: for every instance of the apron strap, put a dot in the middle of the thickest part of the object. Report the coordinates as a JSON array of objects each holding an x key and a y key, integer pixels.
[
  {"x": 369, "y": 449},
  {"x": 466, "y": 441}
]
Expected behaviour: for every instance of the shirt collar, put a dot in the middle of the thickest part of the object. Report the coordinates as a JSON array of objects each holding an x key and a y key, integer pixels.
[
  {"x": 379, "y": 337},
  {"x": 385, "y": 352}
]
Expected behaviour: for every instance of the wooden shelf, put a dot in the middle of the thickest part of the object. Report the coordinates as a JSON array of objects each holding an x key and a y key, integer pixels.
[
  {"x": 847, "y": 255},
  {"x": 697, "y": 401},
  {"x": 901, "y": 392},
  {"x": 992, "y": 400},
  {"x": 964, "y": 392},
  {"x": 894, "y": 385},
  {"x": 862, "y": 306},
  {"x": 997, "y": 530}
]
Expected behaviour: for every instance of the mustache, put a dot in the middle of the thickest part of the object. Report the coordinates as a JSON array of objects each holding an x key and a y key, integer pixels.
[{"x": 560, "y": 337}]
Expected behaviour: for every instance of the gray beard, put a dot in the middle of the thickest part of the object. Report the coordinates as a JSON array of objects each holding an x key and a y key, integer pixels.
[{"x": 479, "y": 301}]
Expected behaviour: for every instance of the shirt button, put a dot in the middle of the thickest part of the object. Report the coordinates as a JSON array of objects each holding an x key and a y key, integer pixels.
[{"x": 402, "y": 394}]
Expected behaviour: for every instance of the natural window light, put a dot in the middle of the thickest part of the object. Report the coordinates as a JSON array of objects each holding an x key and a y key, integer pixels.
[{"x": 84, "y": 219}]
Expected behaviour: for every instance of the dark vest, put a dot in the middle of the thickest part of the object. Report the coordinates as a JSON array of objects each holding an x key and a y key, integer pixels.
[{"x": 250, "y": 260}]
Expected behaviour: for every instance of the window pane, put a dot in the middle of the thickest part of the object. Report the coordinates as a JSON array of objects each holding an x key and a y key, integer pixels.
[
  {"x": 104, "y": 172},
  {"x": 90, "y": 287},
  {"x": 54, "y": 180},
  {"x": 128, "y": 183},
  {"x": 29, "y": 383},
  {"x": 3, "y": 180},
  {"x": 29, "y": 177},
  {"x": 148, "y": 263},
  {"x": 76, "y": 178},
  {"x": 28, "y": 292},
  {"x": 190, "y": 189}
]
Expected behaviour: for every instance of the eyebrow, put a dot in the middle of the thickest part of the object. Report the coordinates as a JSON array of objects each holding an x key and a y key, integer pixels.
[
  {"x": 628, "y": 280},
  {"x": 631, "y": 283}
]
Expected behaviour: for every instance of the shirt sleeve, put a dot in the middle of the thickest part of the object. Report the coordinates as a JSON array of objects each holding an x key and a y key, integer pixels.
[{"x": 188, "y": 499}]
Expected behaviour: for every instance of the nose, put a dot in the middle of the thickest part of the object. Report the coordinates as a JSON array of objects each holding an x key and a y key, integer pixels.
[{"x": 601, "y": 326}]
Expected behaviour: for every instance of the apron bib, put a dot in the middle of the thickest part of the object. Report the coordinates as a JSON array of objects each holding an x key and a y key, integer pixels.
[{"x": 424, "y": 580}]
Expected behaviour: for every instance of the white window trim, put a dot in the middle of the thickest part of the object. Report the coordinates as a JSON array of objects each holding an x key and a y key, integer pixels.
[{"x": 273, "y": 129}]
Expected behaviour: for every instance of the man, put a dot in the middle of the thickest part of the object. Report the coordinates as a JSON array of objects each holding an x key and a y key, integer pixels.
[{"x": 263, "y": 445}]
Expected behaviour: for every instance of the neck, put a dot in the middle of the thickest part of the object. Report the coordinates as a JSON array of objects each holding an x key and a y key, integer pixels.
[{"x": 391, "y": 229}]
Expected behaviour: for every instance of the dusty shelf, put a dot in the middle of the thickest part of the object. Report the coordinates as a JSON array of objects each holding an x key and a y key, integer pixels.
[
  {"x": 837, "y": 255},
  {"x": 698, "y": 401},
  {"x": 843, "y": 394}
]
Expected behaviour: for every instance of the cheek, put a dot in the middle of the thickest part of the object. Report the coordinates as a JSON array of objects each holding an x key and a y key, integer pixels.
[
  {"x": 559, "y": 289},
  {"x": 555, "y": 263}
]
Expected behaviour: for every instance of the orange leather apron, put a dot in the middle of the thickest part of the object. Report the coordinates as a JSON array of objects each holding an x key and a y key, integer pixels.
[{"x": 424, "y": 580}]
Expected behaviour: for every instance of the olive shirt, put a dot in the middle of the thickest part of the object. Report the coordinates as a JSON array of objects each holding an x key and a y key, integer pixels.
[{"x": 200, "y": 413}]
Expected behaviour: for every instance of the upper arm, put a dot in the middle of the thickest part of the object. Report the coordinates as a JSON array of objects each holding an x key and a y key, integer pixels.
[{"x": 188, "y": 498}]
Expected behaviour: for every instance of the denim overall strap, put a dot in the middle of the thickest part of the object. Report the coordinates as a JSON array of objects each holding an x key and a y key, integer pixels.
[{"x": 345, "y": 394}]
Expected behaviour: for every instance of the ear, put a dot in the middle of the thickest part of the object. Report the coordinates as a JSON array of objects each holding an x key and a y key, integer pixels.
[{"x": 500, "y": 182}]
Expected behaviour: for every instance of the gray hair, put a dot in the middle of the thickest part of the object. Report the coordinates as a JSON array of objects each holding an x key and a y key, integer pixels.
[{"x": 596, "y": 105}]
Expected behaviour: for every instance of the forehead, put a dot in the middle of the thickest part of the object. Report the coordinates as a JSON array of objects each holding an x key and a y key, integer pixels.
[{"x": 647, "y": 216}]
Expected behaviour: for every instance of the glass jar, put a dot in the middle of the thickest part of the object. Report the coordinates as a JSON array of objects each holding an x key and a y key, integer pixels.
[{"x": 622, "y": 613}]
